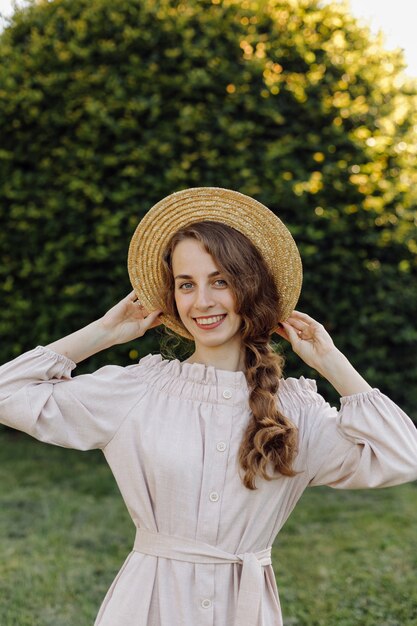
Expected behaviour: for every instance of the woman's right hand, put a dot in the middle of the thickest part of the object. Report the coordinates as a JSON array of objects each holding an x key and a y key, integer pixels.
[{"x": 128, "y": 320}]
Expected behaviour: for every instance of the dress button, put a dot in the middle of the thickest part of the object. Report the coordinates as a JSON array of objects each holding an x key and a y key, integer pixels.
[
  {"x": 221, "y": 446},
  {"x": 206, "y": 604},
  {"x": 214, "y": 496},
  {"x": 227, "y": 394}
]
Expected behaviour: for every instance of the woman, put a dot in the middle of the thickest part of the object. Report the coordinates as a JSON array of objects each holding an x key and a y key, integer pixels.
[{"x": 212, "y": 454}]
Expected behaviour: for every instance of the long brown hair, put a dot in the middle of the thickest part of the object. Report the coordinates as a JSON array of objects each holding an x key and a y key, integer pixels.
[{"x": 270, "y": 438}]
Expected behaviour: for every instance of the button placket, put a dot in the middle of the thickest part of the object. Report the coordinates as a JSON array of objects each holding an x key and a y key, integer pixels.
[
  {"x": 217, "y": 438},
  {"x": 214, "y": 496},
  {"x": 205, "y": 576}
]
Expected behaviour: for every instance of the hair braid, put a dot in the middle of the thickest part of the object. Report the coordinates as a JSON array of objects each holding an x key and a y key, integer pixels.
[{"x": 270, "y": 437}]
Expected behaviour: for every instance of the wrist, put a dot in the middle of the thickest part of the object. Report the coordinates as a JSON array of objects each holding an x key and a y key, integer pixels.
[
  {"x": 341, "y": 374},
  {"x": 84, "y": 343},
  {"x": 331, "y": 362},
  {"x": 103, "y": 334}
]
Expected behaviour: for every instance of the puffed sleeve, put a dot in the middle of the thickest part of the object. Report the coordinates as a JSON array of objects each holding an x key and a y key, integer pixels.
[
  {"x": 39, "y": 397},
  {"x": 369, "y": 443}
]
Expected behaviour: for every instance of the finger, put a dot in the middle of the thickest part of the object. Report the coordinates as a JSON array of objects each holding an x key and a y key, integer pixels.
[
  {"x": 293, "y": 336},
  {"x": 136, "y": 303},
  {"x": 281, "y": 332},
  {"x": 132, "y": 296},
  {"x": 152, "y": 319},
  {"x": 297, "y": 324},
  {"x": 306, "y": 331},
  {"x": 305, "y": 317}
]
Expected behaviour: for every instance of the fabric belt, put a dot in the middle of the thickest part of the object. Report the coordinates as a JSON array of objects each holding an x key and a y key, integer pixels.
[{"x": 183, "y": 549}]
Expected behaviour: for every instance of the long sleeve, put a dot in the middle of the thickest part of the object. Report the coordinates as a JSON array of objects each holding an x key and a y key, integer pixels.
[
  {"x": 369, "y": 443},
  {"x": 39, "y": 397}
]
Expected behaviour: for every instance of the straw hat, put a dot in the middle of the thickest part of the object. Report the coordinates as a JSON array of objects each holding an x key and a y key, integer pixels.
[{"x": 250, "y": 217}]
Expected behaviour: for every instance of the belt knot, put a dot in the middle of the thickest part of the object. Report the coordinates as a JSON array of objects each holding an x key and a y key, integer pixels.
[{"x": 184, "y": 549}]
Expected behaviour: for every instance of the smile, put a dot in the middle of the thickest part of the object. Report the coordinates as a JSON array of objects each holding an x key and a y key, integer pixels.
[{"x": 209, "y": 322}]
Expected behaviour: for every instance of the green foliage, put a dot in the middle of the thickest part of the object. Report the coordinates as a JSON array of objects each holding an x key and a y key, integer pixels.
[{"x": 107, "y": 107}]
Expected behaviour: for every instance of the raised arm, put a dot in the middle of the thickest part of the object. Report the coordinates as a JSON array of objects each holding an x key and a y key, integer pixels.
[
  {"x": 126, "y": 321},
  {"x": 313, "y": 344},
  {"x": 370, "y": 442},
  {"x": 38, "y": 395}
]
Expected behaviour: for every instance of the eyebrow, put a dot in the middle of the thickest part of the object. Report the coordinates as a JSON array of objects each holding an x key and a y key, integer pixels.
[{"x": 216, "y": 273}]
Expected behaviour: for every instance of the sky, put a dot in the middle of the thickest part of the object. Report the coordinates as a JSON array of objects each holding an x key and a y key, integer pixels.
[{"x": 396, "y": 19}]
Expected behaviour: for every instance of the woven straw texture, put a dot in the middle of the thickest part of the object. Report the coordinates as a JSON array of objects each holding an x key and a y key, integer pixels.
[{"x": 245, "y": 214}]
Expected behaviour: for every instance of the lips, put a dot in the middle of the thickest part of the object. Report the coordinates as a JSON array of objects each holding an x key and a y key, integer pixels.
[{"x": 209, "y": 322}]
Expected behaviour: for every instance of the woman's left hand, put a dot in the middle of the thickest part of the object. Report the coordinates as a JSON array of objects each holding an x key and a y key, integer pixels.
[{"x": 308, "y": 338}]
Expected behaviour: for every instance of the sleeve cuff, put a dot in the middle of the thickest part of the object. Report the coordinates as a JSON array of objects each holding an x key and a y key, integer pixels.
[
  {"x": 358, "y": 398},
  {"x": 56, "y": 357}
]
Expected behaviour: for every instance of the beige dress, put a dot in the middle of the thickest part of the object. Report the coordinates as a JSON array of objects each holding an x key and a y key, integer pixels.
[{"x": 170, "y": 433}]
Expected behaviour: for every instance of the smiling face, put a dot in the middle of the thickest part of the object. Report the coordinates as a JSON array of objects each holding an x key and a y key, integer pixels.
[{"x": 204, "y": 299}]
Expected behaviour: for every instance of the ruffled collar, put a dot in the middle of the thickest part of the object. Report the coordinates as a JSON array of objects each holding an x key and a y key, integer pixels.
[{"x": 196, "y": 372}]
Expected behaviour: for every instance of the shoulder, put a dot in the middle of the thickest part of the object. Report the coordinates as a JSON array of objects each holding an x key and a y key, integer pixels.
[
  {"x": 299, "y": 390},
  {"x": 154, "y": 369},
  {"x": 299, "y": 399},
  {"x": 122, "y": 375},
  {"x": 148, "y": 365}
]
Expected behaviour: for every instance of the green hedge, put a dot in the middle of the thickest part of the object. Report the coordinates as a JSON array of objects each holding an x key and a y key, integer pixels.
[{"x": 107, "y": 107}]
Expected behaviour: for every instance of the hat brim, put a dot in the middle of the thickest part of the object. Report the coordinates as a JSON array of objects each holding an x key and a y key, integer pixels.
[{"x": 182, "y": 208}]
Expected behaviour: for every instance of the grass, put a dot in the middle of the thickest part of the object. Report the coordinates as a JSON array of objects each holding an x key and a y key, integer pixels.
[
  {"x": 350, "y": 558},
  {"x": 343, "y": 559}
]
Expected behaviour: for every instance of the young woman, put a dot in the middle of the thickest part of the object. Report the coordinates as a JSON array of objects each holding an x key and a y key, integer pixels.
[{"x": 210, "y": 454}]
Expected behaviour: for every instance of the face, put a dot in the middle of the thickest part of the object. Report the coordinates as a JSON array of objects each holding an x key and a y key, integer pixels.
[{"x": 204, "y": 299}]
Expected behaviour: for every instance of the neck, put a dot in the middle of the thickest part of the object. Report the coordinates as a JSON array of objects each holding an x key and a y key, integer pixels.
[{"x": 219, "y": 357}]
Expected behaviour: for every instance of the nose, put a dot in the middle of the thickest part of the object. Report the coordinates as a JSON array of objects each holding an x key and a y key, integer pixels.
[{"x": 203, "y": 299}]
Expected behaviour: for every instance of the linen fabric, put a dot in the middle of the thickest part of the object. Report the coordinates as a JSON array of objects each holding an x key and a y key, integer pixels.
[{"x": 170, "y": 432}]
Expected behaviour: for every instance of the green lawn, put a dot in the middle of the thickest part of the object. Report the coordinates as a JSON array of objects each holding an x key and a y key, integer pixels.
[{"x": 343, "y": 559}]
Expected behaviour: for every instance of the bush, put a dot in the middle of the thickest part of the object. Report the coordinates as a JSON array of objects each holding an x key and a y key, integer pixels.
[{"x": 106, "y": 108}]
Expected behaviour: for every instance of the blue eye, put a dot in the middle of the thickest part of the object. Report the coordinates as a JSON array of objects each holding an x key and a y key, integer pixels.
[{"x": 187, "y": 286}]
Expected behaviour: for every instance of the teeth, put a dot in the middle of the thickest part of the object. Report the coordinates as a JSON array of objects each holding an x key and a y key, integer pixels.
[{"x": 209, "y": 320}]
